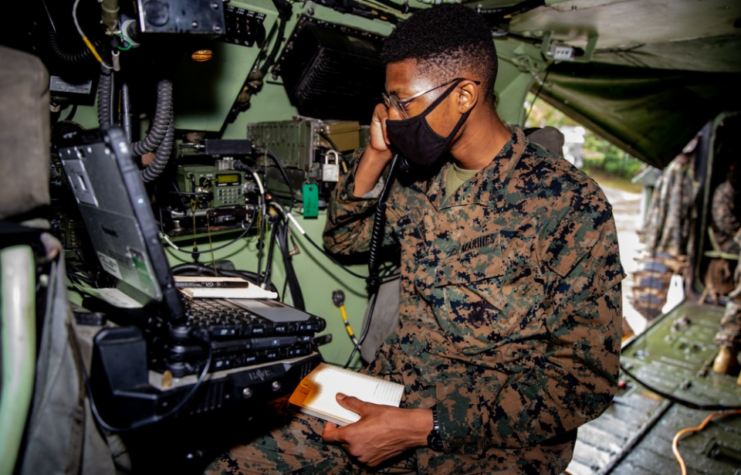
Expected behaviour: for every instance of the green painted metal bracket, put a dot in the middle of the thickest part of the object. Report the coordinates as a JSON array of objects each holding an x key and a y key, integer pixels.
[{"x": 520, "y": 63}]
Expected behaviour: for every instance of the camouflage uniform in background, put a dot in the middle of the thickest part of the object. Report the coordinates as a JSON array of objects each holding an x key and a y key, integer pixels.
[
  {"x": 729, "y": 335},
  {"x": 667, "y": 226},
  {"x": 726, "y": 212},
  {"x": 666, "y": 232},
  {"x": 509, "y": 317}
]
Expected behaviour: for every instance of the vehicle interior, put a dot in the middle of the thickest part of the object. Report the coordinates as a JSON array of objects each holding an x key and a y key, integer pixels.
[{"x": 233, "y": 121}]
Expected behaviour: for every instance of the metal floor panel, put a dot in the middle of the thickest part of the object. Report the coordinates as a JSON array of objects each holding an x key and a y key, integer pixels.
[{"x": 634, "y": 436}]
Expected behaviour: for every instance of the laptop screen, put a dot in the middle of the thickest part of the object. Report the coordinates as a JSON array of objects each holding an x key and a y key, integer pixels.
[{"x": 115, "y": 208}]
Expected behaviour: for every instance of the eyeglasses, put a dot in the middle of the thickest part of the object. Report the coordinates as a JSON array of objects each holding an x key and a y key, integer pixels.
[{"x": 399, "y": 105}]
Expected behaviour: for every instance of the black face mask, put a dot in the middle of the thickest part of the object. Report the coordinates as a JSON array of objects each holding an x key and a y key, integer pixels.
[{"x": 416, "y": 140}]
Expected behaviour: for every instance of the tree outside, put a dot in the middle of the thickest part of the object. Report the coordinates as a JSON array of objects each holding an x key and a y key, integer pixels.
[{"x": 601, "y": 160}]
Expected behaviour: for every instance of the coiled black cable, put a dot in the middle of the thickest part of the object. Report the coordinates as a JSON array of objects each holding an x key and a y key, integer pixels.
[
  {"x": 379, "y": 224},
  {"x": 162, "y": 155},
  {"x": 161, "y": 122},
  {"x": 77, "y": 58},
  {"x": 161, "y": 137},
  {"x": 105, "y": 94}
]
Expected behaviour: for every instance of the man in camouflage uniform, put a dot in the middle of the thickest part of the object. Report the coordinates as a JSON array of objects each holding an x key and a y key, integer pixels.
[
  {"x": 510, "y": 283},
  {"x": 726, "y": 208},
  {"x": 726, "y": 211},
  {"x": 667, "y": 226},
  {"x": 666, "y": 233},
  {"x": 729, "y": 336}
]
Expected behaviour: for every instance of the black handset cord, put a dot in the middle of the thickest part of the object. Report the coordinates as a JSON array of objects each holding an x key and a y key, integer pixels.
[
  {"x": 379, "y": 223},
  {"x": 376, "y": 242}
]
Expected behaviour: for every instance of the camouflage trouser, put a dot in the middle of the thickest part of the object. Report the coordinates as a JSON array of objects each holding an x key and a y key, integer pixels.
[
  {"x": 285, "y": 441},
  {"x": 729, "y": 335},
  {"x": 295, "y": 446}
]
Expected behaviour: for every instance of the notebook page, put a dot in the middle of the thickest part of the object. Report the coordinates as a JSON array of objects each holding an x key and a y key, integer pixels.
[{"x": 327, "y": 381}]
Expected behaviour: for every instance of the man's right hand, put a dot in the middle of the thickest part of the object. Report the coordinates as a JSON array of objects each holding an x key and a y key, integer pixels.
[
  {"x": 377, "y": 153},
  {"x": 378, "y": 139}
]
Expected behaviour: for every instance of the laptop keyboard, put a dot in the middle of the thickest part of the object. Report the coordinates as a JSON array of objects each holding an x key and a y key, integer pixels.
[
  {"x": 238, "y": 337},
  {"x": 225, "y": 320}
]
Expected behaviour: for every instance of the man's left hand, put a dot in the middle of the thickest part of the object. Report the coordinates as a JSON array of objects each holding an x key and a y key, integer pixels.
[{"x": 381, "y": 433}]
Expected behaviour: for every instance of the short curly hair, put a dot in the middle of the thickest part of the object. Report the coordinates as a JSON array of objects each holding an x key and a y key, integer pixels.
[{"x": 445, "y": 40}]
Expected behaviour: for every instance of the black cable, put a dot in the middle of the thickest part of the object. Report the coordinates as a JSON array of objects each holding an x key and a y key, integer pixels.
[
  {"x": 285, "y": 286},
  {"x": 80, "y": 280},
  {"x": 537, "y": 94},
  {"x": 260, "y": 243},
  {"x": 271, "y": 249},
  {"x": 678, "y": 400},
  {"x": 161, "y": 122},
  {"x": 243, "y": 234},
  {"x": 71, "y": 114},
  {"x": 374, "y": 281},
  {"x": 162, "y": 155},
  {"x": 334, "y": 261},
  {"x": 294, "y": 286},
  {"x": 371, "y": 308},
  {"x": 283, "y": 173},
  {"x": 105, "y": 94},
  {"x": 325, "y": 253},
  {"x": 326, "y": 137},
  {"x": 203, "y": 339},
  {"x": 379, "y": 225},
  {"x": 364, "y": 331},
  {"x": 84, "y": 55}
]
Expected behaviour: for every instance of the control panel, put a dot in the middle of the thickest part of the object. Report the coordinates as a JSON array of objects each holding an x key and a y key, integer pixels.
[{"x": 244, "y": 26}]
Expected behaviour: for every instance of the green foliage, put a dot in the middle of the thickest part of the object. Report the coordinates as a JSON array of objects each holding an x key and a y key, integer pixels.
[{"x": 600, "y": 156}]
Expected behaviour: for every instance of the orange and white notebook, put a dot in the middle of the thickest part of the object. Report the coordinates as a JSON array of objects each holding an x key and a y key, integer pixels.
[{"x": 317, "y": 392}]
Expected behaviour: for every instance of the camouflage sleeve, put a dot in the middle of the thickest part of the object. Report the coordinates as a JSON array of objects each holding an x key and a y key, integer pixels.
[
  {"x": 574, "y": 379},
  {"x": 725, "y": 221},
  {"x": 350, "y": 218}
]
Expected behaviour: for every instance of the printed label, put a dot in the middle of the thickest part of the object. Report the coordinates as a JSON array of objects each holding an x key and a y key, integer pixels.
[
  {"x": 58, "y": 84},
  {"x": 109, "y": 265}
]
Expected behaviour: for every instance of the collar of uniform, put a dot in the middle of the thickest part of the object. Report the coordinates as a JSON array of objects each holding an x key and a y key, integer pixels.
[{"x": 485, "y": 184}]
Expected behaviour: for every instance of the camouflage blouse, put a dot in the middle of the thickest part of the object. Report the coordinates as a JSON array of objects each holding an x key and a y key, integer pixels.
[{"x": 510, "y": 296}]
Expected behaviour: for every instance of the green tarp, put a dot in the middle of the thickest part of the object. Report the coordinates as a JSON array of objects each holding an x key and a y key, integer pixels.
[{"x": 650, "y": 113}]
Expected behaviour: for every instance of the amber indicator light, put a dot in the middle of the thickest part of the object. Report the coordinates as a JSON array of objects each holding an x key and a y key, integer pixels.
[{"x": 202, "y": 55}]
